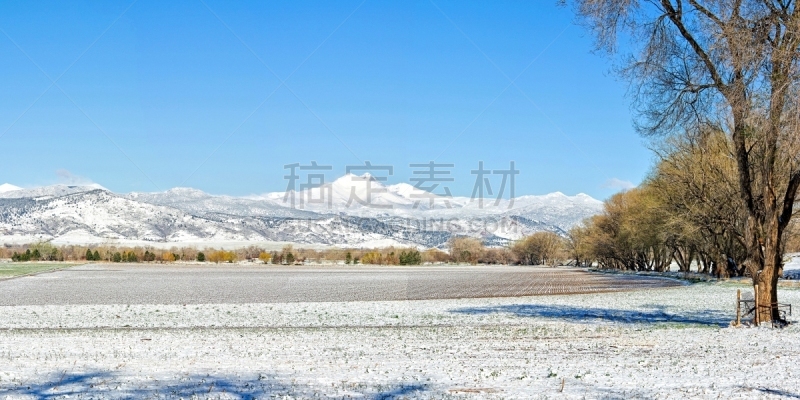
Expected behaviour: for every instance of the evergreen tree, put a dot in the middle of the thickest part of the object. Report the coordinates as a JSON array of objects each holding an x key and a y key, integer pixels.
[
  {"x": 201, "y": 257},
  {"x": 96, "y": 256},
  {"x": 410, "y": 258}
]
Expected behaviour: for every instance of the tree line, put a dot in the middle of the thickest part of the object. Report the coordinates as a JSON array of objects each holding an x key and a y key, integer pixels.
[
  {"x": 538, "y": 248},
  {"x": 686, "y": 213}
]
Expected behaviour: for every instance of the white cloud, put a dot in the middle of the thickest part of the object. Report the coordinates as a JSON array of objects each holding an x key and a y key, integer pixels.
[
  {"x": 68, "y": 178},
  {"x": 619, "y": 184}
]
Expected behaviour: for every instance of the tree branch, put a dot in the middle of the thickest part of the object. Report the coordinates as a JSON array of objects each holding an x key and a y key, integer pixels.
[
  {"x": 677, "y": 19},
  {"x": 707, "y": 13},
  {"x": 788, "y": 200}
]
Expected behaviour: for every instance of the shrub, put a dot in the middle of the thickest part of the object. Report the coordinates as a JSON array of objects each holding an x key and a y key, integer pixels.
[
  {"x": 148, "y": 256},
  {"x": 391, "y": 259},
  {"x": 130, "y": 257},
  {"x": 222, "y": 256},
  {"x": 373, "y": 257},
  {"x": 435, "y": 256},
  {"x": 411, "y": 257},
  {"x": 26, "y": 256}
]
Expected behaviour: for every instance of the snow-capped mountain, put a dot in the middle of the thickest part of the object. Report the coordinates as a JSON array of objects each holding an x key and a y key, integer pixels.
[
  {"x": 46, "y": 191},
  {"x": 197, "y": 202},
  {"x": 352, "y": 194},
  {"x": 351, "y": 211},
  {"x": 365, "y": 196},
  {"x": 7, "y": 187}
]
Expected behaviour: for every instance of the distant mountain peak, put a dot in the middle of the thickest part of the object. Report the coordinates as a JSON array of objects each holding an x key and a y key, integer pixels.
[
  {"x": 7, "y": 187},
  {"x": 351, "y": 177},
  {"x": 187, "y": 191}
]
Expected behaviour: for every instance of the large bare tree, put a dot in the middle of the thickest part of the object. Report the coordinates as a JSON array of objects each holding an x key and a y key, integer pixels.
[{"x": 725, "y": 64}]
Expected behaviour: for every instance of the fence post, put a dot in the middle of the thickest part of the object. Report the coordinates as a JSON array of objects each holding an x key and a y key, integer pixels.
[
  {"x": 738, "y": 307},
  {"x": 757, "y": 317}
]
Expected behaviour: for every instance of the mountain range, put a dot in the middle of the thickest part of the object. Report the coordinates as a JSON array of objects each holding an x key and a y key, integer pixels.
[{"x": 352, "y": 211}]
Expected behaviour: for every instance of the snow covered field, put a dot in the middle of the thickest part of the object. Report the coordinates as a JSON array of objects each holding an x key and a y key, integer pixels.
[
  {"x": 659, "y": 343},
  {"x": 259, "y": 283}
]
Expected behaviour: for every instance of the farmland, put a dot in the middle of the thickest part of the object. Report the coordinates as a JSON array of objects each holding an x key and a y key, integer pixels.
[{"x": 671, "y": 341}]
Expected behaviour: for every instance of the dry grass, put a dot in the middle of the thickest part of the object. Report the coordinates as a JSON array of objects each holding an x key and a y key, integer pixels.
[{"x": 11, "y": 270}]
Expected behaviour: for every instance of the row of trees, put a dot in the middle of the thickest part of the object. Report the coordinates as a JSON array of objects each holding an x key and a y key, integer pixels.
[
  {"x": 686, "y": 212},
  {"x": 376, "y": 257},
  {"x": 28, "y": 255},
  {"x": 708, "y": 71},
  {"x": 45, "y": 251},
  {"x": 539, "y": 248},
  {"x": 36, "y": 252}
]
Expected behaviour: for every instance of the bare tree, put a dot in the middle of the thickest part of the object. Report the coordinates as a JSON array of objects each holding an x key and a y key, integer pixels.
[
  {"x": 732, "y": 65},
  {"x": 577, "y": 245},
  {"x": 696, "y": 183},
  {"x": 540, "y": 248},
  {"x": 629, "y": 233},
  {"x": 465, "y": 249}
]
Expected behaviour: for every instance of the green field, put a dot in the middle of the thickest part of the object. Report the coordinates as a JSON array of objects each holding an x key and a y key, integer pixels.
[{"x": 17, "y": 269}]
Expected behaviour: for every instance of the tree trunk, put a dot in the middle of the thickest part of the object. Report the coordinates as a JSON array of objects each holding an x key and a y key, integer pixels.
[
  {"x": 683, "y": 257},
  {"x": 720, "y": 264},
  {"x": 767, "y": 277},
  {"x": 705, "y": 264}
]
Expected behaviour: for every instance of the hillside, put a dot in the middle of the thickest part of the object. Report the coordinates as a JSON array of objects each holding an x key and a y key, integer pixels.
[{"x": 403, "y": 216}]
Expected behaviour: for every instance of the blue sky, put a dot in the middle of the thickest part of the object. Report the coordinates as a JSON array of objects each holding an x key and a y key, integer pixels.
[{"x": 221, "y": 95}]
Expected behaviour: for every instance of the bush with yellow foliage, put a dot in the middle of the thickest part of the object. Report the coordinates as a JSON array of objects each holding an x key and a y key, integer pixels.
[
  {"x": 373, "y": 257},
  {"x": 222, "y": 256}
]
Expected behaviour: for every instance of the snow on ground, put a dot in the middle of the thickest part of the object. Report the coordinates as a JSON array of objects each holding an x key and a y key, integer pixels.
[{"x": 662, "y": 343}]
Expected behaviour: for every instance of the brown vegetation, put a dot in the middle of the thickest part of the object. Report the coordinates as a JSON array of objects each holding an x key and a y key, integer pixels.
[
  {"x": 721, "y": 66},
  {"x": 540, "y": 248}
]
